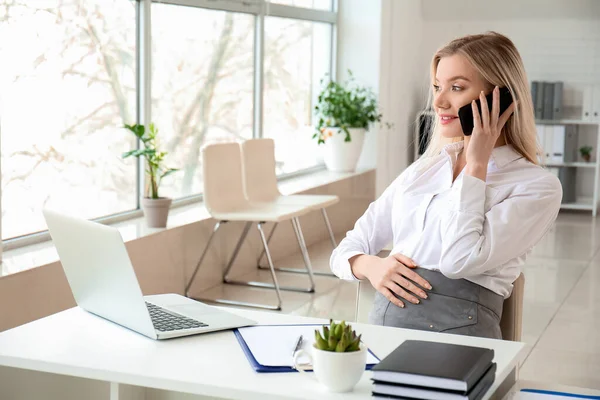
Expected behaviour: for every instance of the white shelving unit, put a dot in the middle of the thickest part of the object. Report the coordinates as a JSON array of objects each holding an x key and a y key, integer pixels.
[{"x": 592, "y": 204}]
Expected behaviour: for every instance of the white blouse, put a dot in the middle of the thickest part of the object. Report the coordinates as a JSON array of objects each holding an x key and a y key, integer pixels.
[{"x": 471, "y": 229}]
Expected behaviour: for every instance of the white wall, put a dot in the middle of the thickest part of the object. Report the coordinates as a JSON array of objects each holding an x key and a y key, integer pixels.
[
  {"x": 379, "y": 40},
  {"x": 358, "y": 49},
  {"x": 403, "y": 87},
  {"x": 557, "y": 39}
]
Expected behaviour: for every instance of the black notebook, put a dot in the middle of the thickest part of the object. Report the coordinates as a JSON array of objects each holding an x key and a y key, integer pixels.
[
  {"x": 396, "y": 391},
  {"x": 434, "y": 365}
]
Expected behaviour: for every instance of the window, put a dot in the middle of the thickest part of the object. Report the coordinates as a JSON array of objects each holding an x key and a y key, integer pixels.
[
  {"x": 202, "y": 86},
  {"x": 67, "y": 83},
  {"x": 297, "y": 57},
  {"x": 213, "y": 71},
  {"x": 316, "y": 4}
]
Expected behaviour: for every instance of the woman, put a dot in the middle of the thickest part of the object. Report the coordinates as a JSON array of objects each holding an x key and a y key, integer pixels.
[{"x": 463, "y": 218}]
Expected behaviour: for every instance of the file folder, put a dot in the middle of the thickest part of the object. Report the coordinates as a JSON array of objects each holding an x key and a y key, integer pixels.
[{"x": 276, "y": 356}]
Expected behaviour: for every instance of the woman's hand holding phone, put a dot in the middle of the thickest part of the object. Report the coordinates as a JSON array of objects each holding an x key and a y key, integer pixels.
[
  {"x": 487, "y": 128},
  {"x": 391, "y": 275}
]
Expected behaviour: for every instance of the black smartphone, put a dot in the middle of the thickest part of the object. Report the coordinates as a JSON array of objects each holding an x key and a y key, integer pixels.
[{"x": 465, "y": 113}]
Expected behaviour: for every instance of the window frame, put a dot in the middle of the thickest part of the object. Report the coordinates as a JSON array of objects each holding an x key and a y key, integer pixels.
[{"x": 260, "y": 9}]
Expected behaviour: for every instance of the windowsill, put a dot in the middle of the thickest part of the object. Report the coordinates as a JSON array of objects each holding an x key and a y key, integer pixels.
[{"x": 35, "y": 255}]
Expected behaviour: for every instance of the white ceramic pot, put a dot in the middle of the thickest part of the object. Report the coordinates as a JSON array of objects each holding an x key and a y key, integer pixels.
[
  {"x": 339, "y": 155},
  {"x": 338, "y": 372},
  {"x": 156, "y": 211}
]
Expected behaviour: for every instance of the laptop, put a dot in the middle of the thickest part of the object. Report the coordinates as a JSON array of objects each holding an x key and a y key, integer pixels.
[{"x": 104, "y": 283}]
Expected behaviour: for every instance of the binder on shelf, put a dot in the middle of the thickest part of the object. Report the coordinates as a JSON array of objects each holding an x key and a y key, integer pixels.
[
  {"x": 269, "y": 348},
  {"x": 547, "y": 112},
  {"x": 548, "y": 143},
  {"x": 570, "y": 148},
  {"x": 588, "y": 93},
  {"x": 567, "y": 178},
  {"x": 539, "y": 101},
  {"x": 564, "y": 144},
  {"x": 534, "y": 89},
  {"x": 558, "y": 144},
  {"x": 595, "y": 113},
  {"x": 558, "y": 100}
]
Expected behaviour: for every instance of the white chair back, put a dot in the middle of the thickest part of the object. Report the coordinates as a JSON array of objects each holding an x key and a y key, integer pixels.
[
  {"x": 258, "y": 157},
  {"x": 223, "y": 178}
]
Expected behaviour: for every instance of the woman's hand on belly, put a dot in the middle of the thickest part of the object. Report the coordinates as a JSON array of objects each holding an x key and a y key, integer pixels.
[{"x": 391, "y": 275}]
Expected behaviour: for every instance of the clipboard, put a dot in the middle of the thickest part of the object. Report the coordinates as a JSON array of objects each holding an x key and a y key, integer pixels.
[{"x": 258, "y": 367}]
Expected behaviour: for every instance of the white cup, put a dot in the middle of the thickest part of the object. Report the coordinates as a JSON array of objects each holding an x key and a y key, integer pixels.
[{"x": 339, "y": 372}]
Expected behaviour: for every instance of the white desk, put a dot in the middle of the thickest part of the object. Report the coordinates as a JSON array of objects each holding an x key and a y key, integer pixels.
[{"x": 79, "y": 344}]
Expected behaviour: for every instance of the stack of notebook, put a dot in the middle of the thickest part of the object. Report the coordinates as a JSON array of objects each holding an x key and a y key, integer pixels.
[{"x": 438, "y": 371}]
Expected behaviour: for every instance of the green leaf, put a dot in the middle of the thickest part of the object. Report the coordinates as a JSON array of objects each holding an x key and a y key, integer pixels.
[
  {"x": 168, "y": 172},
  {"x": 320, "y": 343},
  {"x": 332, "y": 342},
  {"x": 139, "y": 153}
]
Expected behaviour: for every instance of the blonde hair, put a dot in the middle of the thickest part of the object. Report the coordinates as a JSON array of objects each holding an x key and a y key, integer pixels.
[{"x": 496, "y": 58}]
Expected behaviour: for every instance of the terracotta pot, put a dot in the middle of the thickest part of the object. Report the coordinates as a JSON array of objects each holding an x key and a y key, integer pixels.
[
  {"x": 156, "y": 211},
  {"x": 586, "y": 157}
]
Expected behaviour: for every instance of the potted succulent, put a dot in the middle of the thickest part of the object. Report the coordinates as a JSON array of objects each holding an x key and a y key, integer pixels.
[
  {"x": 338, "y": 358},
  {"x": 344, "y": 113},
  {"x": 586, "y": 152},
  {"x": 156, "y": 208}
]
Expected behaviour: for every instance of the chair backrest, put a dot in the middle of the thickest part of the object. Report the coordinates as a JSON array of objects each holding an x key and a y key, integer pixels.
[
  {"x": 223, "y": 178},
  {"x": 260, "y": 177},
  {"x": 511, "y": 322}
]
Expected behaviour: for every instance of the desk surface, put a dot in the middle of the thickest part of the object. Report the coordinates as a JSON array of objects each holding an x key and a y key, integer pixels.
[{"x": 77, "y": 343}]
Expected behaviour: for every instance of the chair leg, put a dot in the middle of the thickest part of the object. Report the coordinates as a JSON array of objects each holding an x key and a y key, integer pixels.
[
  {"x": 331, "y": 236},
  {"x": 262, "y": 253},
  {"x": 305, "y": 256},
  {"x": 275, "y": 286},
  {"x": 304, "y": 250},
  {"x": 237, "y": 250},
  {"x": 215, "y": 229},
  {"x": 228, "y": 268}
]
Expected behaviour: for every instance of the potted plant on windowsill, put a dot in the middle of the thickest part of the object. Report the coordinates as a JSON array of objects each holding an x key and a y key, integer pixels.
[
  {"x": 156, "y": 208},
  {"x": 344, "y": 113}
]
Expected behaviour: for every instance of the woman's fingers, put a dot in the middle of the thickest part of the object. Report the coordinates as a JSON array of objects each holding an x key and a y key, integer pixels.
[
  {"x": 495, "y": 107},
  {"x": 505, "y": 116},
  {"x": 408, "y": 285},
  {"x": 401, "y": 258},
  {"x": 390, "y": 296},
  {"x": 413, "y": 276},
  {"x": 393, "y": 286},
  {"x": 476, "y": 116},
  {"x": 485, "y": 112}
]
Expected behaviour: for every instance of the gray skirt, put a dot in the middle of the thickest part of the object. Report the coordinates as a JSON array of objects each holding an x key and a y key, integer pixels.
[{"x": 453, "y": 306}]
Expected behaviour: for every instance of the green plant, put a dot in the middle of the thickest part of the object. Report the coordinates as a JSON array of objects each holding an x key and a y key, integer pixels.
[
  {"x": 585, "y": 150},
  {"x": 344, "y": 106},
  {"x": 156, "y": 171},
  {"x": 339, "y": 338}
]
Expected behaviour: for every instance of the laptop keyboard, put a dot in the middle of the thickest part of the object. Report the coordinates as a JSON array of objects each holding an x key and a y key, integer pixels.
[{"x": 166, "y": 321}]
